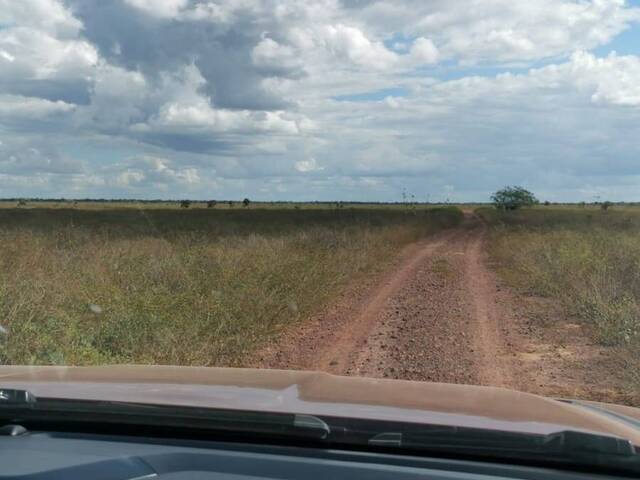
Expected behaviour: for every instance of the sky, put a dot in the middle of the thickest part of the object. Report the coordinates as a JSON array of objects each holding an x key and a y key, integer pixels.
[{"x": 320, "y": 100}]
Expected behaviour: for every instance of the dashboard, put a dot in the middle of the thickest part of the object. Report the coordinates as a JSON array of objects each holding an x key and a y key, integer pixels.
[{"x": 54, "y": 455}]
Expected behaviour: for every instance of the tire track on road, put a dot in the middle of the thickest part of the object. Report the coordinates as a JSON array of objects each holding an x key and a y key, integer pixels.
[{"x": 430, "y": 317}]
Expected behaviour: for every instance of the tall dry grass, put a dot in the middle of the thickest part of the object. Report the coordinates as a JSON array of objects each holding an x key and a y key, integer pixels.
[
  {"x": 191, "y": 287},
  {"x": 587, "y": 259}
]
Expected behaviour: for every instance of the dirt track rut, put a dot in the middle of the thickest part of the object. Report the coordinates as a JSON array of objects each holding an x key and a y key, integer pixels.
[
  {"x": 439, "y": 313},
  {"x": 430, "y": 317}
]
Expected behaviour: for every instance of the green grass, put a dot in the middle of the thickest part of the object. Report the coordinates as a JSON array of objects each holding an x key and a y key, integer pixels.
[
  {"x": 181, "y": 286},
  {"x": 587, "y": 259}
]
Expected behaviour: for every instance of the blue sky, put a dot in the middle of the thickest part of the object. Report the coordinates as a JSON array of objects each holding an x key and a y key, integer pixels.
[{"x": 326, "y": 100}]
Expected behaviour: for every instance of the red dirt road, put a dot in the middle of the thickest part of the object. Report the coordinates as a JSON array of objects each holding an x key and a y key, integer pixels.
[{"x": 440, "y": 314}]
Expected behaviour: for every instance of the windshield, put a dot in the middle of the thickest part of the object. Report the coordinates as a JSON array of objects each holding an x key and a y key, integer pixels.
[{"x": 433, "y": 191}]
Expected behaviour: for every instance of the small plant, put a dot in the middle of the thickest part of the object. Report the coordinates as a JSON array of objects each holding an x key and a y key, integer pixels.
[
  {"x": 185, "y": 203},
  {"x": 513, "y": 198},
  {"x": 22, "y": 203}
]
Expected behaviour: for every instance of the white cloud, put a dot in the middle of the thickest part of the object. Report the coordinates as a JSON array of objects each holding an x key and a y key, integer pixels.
[
  {"x": 200, "y": 115},
  {"x": 613, "y": 80},
  {"x": 423, "y": 51},
  {"x": 309, "y": 165},
  {"x": 42, "y": 52},
  {"x": 20, "y": 107},
  {"x": 393, "y": 102},
  {"x": 49, "y": 16},
  {"x": 504, "y": 30},
  {"x": 189, "y": 111},
  {"x": 270, "y": 54},
  {"x": 349, "y": 43},
  {"x": 35, "y": 55},
  {"x": 322, "y": 48},
  {"x": 156, "y": 171}
]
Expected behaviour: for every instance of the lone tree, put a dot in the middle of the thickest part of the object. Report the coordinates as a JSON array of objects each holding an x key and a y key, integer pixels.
[
  {"x": 246, "y": 202},
  {"x": 211, "y": 203},
  {"x": 185, "y": 203},
  {"x": 512, "y": 198}
]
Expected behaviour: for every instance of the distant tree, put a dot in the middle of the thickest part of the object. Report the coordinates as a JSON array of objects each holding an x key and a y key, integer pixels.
[
  {"x": 211, "y": 203},
  {"x": 22, "y": 203},
  {"x": 512, "y": 198},
  {"x": 547, "y": 203},
  {"x": 230, "y": 204},
  {"x": 246, "y": 202},
  {"x": 185, "y": 203},
  {"x": 606, "y": 206}
]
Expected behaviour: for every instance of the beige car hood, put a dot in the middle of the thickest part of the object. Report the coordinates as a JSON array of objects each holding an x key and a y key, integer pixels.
[{"x": 325, "y": 394}]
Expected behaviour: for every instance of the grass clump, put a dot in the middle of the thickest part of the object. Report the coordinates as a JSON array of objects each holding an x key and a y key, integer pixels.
[{"x": 184, "y": 287}]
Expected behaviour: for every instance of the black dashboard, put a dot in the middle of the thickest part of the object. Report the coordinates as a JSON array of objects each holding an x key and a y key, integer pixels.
[{"x": 52, "y": 455}]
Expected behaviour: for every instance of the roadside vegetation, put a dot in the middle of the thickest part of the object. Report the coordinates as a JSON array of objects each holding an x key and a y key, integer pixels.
[
  {"x": 187, "y": 286},
  {"x": 586, "y": 257}
]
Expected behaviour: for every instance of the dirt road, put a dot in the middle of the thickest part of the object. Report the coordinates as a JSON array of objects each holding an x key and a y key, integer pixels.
[{"x": 439, "y": 313}]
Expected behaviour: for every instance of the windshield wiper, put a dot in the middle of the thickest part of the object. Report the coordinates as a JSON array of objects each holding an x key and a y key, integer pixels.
[
  {"x": 19, "y": 406},
  {"x": 10, "y": 396},
  {"x": 565, "y": 449},
  {"x": 567, "y": 446}
]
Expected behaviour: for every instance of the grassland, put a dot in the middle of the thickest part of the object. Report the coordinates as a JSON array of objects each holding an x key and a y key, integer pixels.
[
  {"x": 100, "y": 284},
  {"x": 585, "y": 258}
]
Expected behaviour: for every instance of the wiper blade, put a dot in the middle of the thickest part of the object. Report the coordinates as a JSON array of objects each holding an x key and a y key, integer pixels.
[
  {"x": 22, "y": 406},
  {"x": 571, "y": 441},
  {"x": 564, "y": 448},
  {"x": 10, "y": 396},
  {"x": 563, "y": 442}
]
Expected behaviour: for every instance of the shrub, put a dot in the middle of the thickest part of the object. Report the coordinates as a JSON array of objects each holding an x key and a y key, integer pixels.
[{"x": 513, "y": 198}]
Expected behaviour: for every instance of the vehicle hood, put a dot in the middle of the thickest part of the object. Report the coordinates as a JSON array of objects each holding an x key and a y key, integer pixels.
[{"x": 324, "y": 394}]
